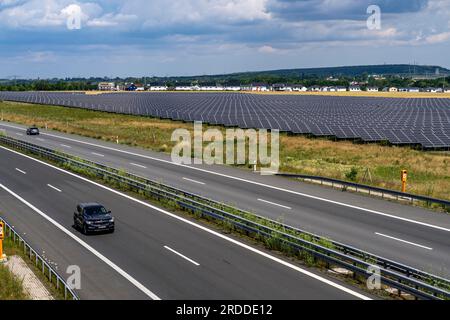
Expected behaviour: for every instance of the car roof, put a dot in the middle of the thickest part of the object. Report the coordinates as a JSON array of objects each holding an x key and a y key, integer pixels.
[{"x": 89, "y": 204}]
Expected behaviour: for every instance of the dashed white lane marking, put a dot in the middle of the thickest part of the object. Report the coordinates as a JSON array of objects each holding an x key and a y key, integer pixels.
[
  {"x": 21, "y": 171},
  {"x": 194, "y": 181},
  {"x": 182, "y": 256},
  {"x": 138, "y": 165},
  {"x": 404, "y": 241},
  {"x": 66, "y": 146},
  {"x": 19, "y": 134},
  {"x": 40, "y": 139},
  {"x": 54, "y": 188},
  {"x": 275, "y": 204},
  {"x": 97, "y": 154}
]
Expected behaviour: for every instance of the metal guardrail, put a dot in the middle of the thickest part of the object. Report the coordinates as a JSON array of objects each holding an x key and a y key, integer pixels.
[
  {"x": 47, "y": 270},
  {"x": 404, "y": 278},
  {"x": 358, "y": 187}
]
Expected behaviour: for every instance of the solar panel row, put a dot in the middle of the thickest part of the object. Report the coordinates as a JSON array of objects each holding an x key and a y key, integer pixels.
[{"x": 419, "y": 121}]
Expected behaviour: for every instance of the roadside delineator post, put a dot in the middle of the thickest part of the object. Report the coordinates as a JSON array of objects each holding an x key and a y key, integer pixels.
[
  {"x": 2, "y": 236},
  {"x": 404, "y": 178},
  {"x": 117, "y": 139}
]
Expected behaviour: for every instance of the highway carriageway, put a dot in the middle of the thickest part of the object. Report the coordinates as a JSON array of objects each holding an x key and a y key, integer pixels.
[
  {"x": 410, "y": 235},
  {"x": 153, "y": 254}
]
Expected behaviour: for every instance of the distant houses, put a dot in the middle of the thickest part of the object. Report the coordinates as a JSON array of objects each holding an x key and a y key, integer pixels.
[
  {"x": 158, "y": 88},
  {"x": 262, "y": 87},
  {"x": 354, "y": 88},
  {"x": 106, "y": 86}
]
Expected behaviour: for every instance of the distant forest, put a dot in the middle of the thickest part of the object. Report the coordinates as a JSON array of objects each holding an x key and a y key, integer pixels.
[{"x": 376, "y": 75}]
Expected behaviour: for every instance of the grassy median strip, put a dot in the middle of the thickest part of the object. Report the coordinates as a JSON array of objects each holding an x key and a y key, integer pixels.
[{"x": 429, "y": 172}]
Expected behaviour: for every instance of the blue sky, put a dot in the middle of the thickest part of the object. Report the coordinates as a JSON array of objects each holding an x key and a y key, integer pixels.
[{"x": 190, "y": 37}]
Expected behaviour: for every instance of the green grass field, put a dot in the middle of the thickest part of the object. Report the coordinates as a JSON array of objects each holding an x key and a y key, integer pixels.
[{"x": 429, "y": 172}]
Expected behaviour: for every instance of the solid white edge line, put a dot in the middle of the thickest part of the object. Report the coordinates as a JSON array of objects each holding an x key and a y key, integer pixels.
[
  {"x": 404, "y": 241},
  {"x": 172, "y": 215},
  {"x": 182, "y": 256},
  {"x": 21, "y": 171},
  {"x": 194, "y": 181},
  {"x": 249, "y": 181},
  {"x": 275, "y": 204},
  {"x": 85, "y": 245},
  {"x": 54, "y": 188}
]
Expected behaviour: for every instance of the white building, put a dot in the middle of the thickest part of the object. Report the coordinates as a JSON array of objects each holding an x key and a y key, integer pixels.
[
  {"x": 106, "y": 86},
  {"x": 355, "y": 88},
  {"x": 433, "y": 90},
  {"x": 341, "y": 89},
  {"x": 372, "y": 89},
  {"x": 211, "y": 88},
  {"x": 233, "y": 88},
  {"x": 299, "y": 88},
  {"x": 413, "y": 90},
  {"x": 256, "y": 87},
  {"x": 158, "y": 88},
  {"x": 184, "y": 88},
  {"x": 393, "y": 89}
]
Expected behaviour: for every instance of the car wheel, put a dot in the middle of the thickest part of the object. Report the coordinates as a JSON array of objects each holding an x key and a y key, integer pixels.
[{"x": 85, "y": 230}]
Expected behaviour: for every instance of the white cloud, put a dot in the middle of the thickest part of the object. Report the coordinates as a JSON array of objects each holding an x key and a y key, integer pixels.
[{"x": 438, "y": 38}]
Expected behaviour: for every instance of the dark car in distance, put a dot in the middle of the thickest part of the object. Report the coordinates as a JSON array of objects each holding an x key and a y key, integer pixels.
[
  {"x": 33, "y": 131},
  {"x": 93, "y": 217}
]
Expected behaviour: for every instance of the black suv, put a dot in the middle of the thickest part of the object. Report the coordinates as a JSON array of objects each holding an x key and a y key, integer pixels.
[
  {"x": 33, "y": 131},
  {"x": 93, "y": 217}
]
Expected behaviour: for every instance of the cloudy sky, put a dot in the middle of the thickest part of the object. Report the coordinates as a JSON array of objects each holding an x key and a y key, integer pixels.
[{"x": 68, "y": 38}]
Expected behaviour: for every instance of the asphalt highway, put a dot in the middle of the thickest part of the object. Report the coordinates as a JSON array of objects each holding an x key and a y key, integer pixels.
[
  {"x": 153, "y": 254},
  {"x": 406, "y": 234}
]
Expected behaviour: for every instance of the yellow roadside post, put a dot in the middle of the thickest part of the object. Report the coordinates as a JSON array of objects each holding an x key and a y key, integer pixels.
[
  {"x": 2, "y": 236},
  {"x": 404, "y": 180}
]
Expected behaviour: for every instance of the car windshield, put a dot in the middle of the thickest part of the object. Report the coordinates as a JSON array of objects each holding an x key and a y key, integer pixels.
[{"x": 95, "y": 211}]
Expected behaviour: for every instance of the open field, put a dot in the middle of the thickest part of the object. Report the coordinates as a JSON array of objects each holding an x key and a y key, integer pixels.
[{"x": 429, "y": 172}]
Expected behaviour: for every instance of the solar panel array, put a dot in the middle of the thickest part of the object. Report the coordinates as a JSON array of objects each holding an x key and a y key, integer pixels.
[{"x": 415, "y": 121}]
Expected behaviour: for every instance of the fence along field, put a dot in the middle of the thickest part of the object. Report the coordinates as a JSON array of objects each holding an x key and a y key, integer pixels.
[{"x": 423, "y": 122}]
